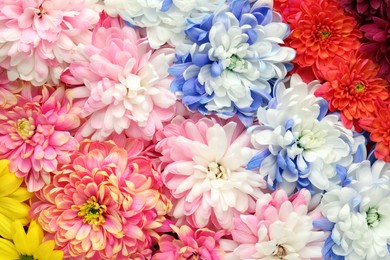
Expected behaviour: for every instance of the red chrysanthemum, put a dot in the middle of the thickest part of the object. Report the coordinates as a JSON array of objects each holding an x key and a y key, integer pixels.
[
  {"x": 364, "y": 10},
  {"x": 379, "y": 127},
  {"x": 322, "y": 33},
  {"x": 352, "y": 87},
  {"x": 378, "y": 45}
]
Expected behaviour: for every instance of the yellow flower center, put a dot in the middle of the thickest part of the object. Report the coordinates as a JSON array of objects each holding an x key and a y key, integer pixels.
[
  {"x": 280, "y": 252},
  {"x": 324, "y": 34},
  {"x": 24, "y": 128},
  {"x": 359, "y": 87},
  {"x": 92, "y": 212},
  {"x": 218, "y": 170}
]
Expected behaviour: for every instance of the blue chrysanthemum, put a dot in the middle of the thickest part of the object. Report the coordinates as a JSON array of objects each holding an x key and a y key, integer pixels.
[{"x": 235, "y": 53}]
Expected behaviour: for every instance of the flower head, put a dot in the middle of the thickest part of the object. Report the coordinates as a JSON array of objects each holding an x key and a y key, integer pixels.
[
  {"x": 235, "y": 52},
  {"x": 365, "y": 10},
  {"x": 107, "y": 203},
  {"x": 205, "y": 172},
  {"x": 35, "y": 134},
  {"x": 122, "y": 84},
  {"x": 38, "y": 36},
  {"x": 323, "y": 32},
  {"x": 378, "y": 125},
  {"x": 352, "y": 87},
  {"x": 12, "y": 197},
  {"x": 281, "y": 228},
  {"x": 30, "y": 245},
  {"x": 164, "y": 20},
  {"x": 191, "y": 244},
  {"x": 299, "y": 145}
]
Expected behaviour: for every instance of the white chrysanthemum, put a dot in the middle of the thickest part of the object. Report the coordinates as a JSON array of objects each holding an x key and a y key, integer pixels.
[
  {"x": 164, "y": 20},
  {"x": 361, "y": 213}
]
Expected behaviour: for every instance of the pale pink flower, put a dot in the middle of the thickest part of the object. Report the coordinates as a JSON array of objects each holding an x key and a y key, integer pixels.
[
  {"x": 38, "y": 36},
  {"x": 106, "y": 204},
  {"x": 123, "y": 85},
  {"x": 34, "y": 133},
  {"x": 281, "y": 228},
  {"x": 205, "y": 171},
  {"x": 191, "y": 244}
]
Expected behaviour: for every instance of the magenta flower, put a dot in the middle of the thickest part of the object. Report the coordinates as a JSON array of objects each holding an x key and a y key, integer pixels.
[
  {"x": 205, "y": 172},
  {"x": 37, "y": 36},
  {"x": 199, "y": 244},
  {"x": 281, "y": 228},
  {"x": 123, "y": 85},
  {"x": 35, "y": 134},
  {"x": 106, "y": 204}
]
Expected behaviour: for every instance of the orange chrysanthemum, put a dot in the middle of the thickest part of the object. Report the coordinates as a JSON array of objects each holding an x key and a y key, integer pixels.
[
  {"x": 323, "y": 32},
  {"x": 352, "y": 87},
  {"x": 379, "y": 127}
]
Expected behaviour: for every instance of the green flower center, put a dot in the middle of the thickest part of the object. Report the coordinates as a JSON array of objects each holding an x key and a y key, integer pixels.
[
  {"x": 24, "y": 128},
  {"x": 359, "y": 87},
  {"x": 26, "y": 257},
  {"x": 324, "y": 34},
  {"x": 373, "y": 217},
  {"x": 237, "y": 64},
  {"x": 92, "y": 212}
]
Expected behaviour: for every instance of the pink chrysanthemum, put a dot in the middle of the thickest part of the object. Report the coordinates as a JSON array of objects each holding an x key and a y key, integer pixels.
[
  {"x": 38, "y": 36},
  {"x": 280, "y": 229},
  {"x": 205, "y": 172},
  {"x": 123, "y": 83},
  {"x": 378, "y": 45},
  {"x": 199, "y": 244},
  {"x": 106, "y": 204},
  {"x": 34, "y": 133}
]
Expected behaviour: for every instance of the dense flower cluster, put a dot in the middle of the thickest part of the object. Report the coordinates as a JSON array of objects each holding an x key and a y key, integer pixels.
[{"x": 194, "y": 129}]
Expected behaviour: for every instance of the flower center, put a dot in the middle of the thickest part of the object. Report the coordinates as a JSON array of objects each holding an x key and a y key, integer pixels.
[
  {"x": 40, "y": 12},
  {"x": 188, "y": 253},
  {"x": 360, "y": 87},
  {"x": 237, "y": 64},
  {"x": 218, "y": 170},
  {"x": 280, "y": 252},
  {"x": 373, "y": 217},
  {"x": 24, "y": 128},
  {"x": 26, "y": 257},
  {"x": 92, "y": 212},
  {"x": 324, "y": 34},
  {"x": 308, "y": 139}
]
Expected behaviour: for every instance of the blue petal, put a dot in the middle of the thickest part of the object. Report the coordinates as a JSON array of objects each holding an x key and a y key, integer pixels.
[
  {"x": 281, "y": 161},
  {"x": 189, "y": 100},
  {"x": 252, "y": 36},
  {"x": 323, "y": 109},
  {"x": 166, "y": 5},
  {"x": 289, "y": 124},
  {"x": 342, "y": 174},
  {"x": 177, "y": 85},
  {"x": 216, "y": 69},
  {"x": 256, "y": 160},
  {"x": 178, "y": 69},
  {"x": 323, "y": 224},
  {"x": 200, "y": 59},
  {"x": 359, "y": 155},
  {"x": 248, "y": 19},
  {"x": 246, "y": 120}
]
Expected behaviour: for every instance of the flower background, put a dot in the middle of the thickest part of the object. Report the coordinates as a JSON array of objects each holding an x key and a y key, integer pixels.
[{"x": 193, "y": 129}]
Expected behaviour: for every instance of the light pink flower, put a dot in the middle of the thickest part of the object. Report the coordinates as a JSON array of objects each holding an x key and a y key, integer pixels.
[
  {"x": 34, "y": 133},
  {"x": 106, "y": 204},
  {"x": 38, "y": 36},
  {"x": 123, "y": 85},
  {"x": 199, "y": 244},
  {"x": 205, "y": 171},
  {"x": 281, "y": 228}
]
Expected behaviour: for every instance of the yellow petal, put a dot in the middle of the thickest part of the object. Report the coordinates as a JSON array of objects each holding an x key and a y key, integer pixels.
[
  {"x": 34, "y": 236},
  {"x": 4, "y": 167},
  {"x": 7, "y": 250},
  {"x": 20, "y": 239},
  {"x": 13, "y": 209},
  {"x": 9, "y": 184},
  {"x": 45, "y": 252},
  {"x": 21, "y": 194},
  {"x": 5, "y": 227}
]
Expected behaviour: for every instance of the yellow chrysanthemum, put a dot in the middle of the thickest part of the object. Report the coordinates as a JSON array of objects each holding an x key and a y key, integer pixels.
[
  {"x": 28, "y": 246},
  {"x": 12, "y": 197}
]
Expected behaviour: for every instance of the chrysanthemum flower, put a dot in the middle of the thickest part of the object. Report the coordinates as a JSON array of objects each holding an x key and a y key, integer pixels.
[
  {"x": 378, "y": 125},
  {"x": 352, "y": 88},
  {"x": 35, "y": 134},
  {"x": 30, "y": 245},
  {"x": 123, "y": 85},
  {"x": 281, "y": 228},
  {"x": 205, "y": 173},
  {"x": 359, "y": 214},
  {"x": 236, "y": 51},
  {"x": 191, "y": 244},
  {"x": 322, "y": 33},
  {"x": 364, "y": 10},
  {"x": 105, "y": 204},
  {"x": 164, "y": 20},
  {"x": 12, "y": 197},
  {"x": 299, "y": 146},
  {"x": 38, "y": 36},
  {"x": 378, "y": 45}
]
